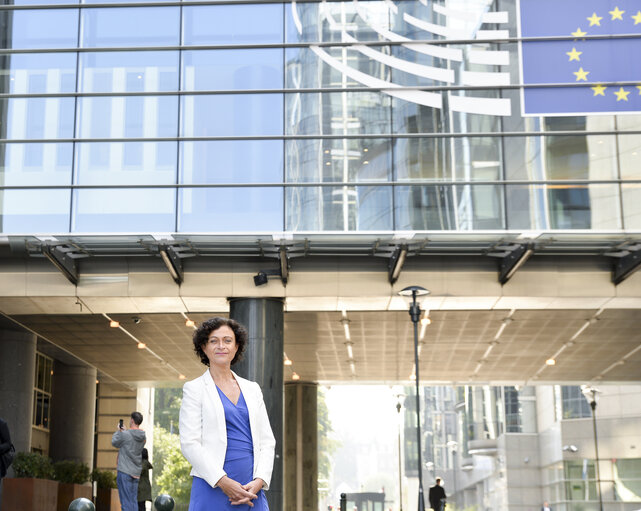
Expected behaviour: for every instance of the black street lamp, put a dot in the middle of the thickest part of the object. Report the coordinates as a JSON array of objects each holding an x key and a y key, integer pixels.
[
  {"x": 412, "y": 292},
  {"x": 400, "y": 472},
  {"x": 590, "y": 394}
]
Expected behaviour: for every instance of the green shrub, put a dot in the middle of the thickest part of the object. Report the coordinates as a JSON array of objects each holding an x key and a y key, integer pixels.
[
  {"x": 72, "y": 472},
  {"x": 32, "y": 464},
  {"x": 106, "y": 479}
]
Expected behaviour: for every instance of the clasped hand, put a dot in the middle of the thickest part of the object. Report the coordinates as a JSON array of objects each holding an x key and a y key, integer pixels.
[{"x": 240, "y": 493}]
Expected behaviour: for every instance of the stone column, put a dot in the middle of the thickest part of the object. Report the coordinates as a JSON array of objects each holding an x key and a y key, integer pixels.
[
  {"x": 17, "y": 373},
  {"x": 263, "y": 363},
  {"x": 73, "y": 413},
  {"x": 301, "y": 446}
]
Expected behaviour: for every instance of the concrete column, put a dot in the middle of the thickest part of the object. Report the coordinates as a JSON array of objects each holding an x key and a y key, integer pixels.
[
  {"x": 17, "y": 373},
  {"x": 73, "y": 413},
  {"x": 301, "y": 446},
  {"x": 263, "y": 363}
]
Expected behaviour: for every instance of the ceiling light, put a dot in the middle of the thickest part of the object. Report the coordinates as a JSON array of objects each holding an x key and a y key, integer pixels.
[
  {"x": 181, "y": 376},
  {"x": 350, "y": 351},
  {"x": 190, "y": 323},
  {"x": 412, "y": 377},
  {"x": 141, "y": 345},
  {"x": 426, "y": 321},
  {"x": 550, "y": 362},
  {"x": 346, "y": 328},
  {"x": 295, "y": 376},
  {"x": 352, "y": 366},
  {"x": 114, "y": 324},
  {"x": 97, "y": 382},
  {"x": 287, "y": 362}
]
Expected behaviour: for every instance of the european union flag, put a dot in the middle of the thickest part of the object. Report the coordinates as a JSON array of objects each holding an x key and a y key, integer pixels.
[{"x": 579, "y": 60}]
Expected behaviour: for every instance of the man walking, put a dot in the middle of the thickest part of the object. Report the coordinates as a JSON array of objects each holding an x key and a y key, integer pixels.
[
  {"x": 130, "y": 443},
  {"x": 437, "y": 496}
]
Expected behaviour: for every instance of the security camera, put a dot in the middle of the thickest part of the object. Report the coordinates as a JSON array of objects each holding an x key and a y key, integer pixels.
[{"x": 136, "y": 319}]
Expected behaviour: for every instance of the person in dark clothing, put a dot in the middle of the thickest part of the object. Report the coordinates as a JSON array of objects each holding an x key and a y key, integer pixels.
[
  {"x": 144, "y": 484},
  {"x": 5, "y": 446},
  {"x": 437, "y": 496}
]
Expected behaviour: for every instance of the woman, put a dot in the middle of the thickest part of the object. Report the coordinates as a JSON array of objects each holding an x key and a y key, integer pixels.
[
  {"x": 224, "y": 428},
  {"x": 144, "y": 485}
]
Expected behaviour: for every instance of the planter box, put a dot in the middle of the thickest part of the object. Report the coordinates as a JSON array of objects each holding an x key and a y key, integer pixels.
[
  {"x": 107, "y": 500},
  {"x": 67, "y": 493},
  {"x": 28, "y": 494}
]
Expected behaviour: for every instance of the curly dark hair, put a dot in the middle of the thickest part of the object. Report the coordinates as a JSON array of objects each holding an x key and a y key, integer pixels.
[{"x": 201, "y": 336}]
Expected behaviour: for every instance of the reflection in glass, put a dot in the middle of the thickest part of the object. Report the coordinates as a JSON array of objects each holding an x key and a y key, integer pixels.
[
  {"x": 232, "y": 114},
  {"x": 130, "y": 26},
  {"x": 124, "y": 210},
  {"x": 231, "y": 209},
  {"x": 232, "y": 69},
  {"x": 629, "y": 147},
  {"x": 38, "y": 118},
  {"x": 126, "y": 163},
  {"x": 339, "y": 160},
  {"x": 38, "y": 73},
  {"x": 233, "y": 24},
  {"x": 231, "y": 161},
  {"x": 562, "y": 206},
  {"x": 128, "y": 71},
  {"x": 34, "y": 211},
  {"x": 422, "y": 158},
  {"x": 631, "y": 206},
  {"x": 40, "y": 28},
  {"x": 134, "y": 116},
  {"x": 35, "y": 164},
  {"x": 346, "y": 208}
]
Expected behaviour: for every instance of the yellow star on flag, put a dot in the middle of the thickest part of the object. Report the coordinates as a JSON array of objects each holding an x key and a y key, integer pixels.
[
  {"x": 622, "y": 95},
  {"x": 617, "y": 14},
  {"x": 637, "y": 18},
  {"x": 579, "y": 33},
  {"x": 639, "y": 87},
  {"x": 594, "y": 19},
  {"x": 599, "y": 90},
  {"x": 581, "y": 75},
  {"x": 574, "y": 54}
]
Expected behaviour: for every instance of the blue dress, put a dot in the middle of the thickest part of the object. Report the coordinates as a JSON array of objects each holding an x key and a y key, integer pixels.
[{"x": 239, "y": 463}]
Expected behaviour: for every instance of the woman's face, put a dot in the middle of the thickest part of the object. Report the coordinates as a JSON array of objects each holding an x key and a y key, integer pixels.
[{"x": 221, "y": 347}]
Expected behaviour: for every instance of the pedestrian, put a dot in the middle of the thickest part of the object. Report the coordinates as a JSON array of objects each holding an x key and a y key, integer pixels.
[
  {"x": 130, "y": 443},
  {"x": 224, "y": 429},
  {"x": 7, "y": 452},
  {"x": 437, "y": 496},
  {"x": 546, "y": 506},
  {"x": 144, "y": 484}
]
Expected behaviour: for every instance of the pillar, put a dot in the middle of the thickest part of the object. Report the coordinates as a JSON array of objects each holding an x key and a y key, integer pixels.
[
  {"x": 17, "y": 373},
  {"x": 301, "y": 446},
  {"x": 263, "y": 363},
  {"x": 73, "y": 413}
]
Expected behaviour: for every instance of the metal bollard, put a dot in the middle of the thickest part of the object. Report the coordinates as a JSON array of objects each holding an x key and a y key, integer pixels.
[
  {"x": 164, "y": 503},
  {"x": 82, "y": 504},
  {"x": 343, "y": 502}
]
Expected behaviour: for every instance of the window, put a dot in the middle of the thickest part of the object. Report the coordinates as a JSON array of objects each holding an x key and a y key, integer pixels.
[
  {"x": 575, "y": 406},
  {"x": 42, "y": 391}
]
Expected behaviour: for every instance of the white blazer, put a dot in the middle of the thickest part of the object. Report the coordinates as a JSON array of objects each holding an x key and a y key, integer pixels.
[{"x": 203, "y": 431}]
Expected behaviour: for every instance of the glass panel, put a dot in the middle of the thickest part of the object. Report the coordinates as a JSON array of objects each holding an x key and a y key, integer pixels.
[
  {"x": 421, "y": 208},
  {"x": 129, "y": 71},
  {"x": 38, "y": 73},
  {"x": 106, "y": 117},
  {"x": 347, "y": 208},
  {"x": 233, "y": 69},
  {"x": 232, "y": 161},
  {"x": 123, "y": 163},
  {"x": 24, "y": 211},
  {"x": 41, "y": 164},
  {"x": 124, "y": 210},
  {"x": 130, "y": 26},
  {"x": 422, "y": 158},
  {"x": 232, "y": 115},
  {"x": 627, "y": 479},
  {"x": 39, "y": 28},
  {"x": 631, "y": 206},
  {"x": 479, "y": 207},
  {"x": 339, "y": 160},
  {"x": 349, "y": 113},
  {"x": 38, "y": 118},
  {"x": 233, "y": 24},
  {"x": 231, "y": 210},
  {"x": 539, "y": 207}
]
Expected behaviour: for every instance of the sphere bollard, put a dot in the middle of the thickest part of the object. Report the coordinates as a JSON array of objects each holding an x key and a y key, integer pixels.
[
  {"x": 82, "y": 504},
  {"x": 164, "y": 503}
]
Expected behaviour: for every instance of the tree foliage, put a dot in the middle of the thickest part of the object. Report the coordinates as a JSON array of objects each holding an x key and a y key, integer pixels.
[
  {"x": 167, "y": 405},
  {"x": 326, "y": 444},
  {"x": 171, "y": 469}
]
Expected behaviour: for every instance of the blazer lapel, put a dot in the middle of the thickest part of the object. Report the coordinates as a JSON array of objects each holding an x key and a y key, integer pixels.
[{"x": 212, "y": 394}]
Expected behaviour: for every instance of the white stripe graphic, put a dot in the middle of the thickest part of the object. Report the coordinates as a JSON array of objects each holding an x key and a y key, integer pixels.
[
  {"x": 484, "y": 78},
  {"x": 489, "y": 57},
  {"x": 485, "y": 106}
]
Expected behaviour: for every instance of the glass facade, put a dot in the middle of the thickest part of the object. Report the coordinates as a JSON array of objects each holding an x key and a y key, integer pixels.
[
  {"x": 42, "y": 390},
  {"x": 341, "y": 116}
]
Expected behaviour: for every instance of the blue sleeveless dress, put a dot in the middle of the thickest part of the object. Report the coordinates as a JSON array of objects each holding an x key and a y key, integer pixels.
[{"x": 239, "y": 463}]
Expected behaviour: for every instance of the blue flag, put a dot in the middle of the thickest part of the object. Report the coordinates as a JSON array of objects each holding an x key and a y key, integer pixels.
[{"x": 580, "y": 60}]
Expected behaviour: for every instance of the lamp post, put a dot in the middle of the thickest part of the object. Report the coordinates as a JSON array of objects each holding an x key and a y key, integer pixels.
[
  {"x": 452, "y": 444},
  {"x": 590, "y": 394},
  {"x": 412, "y": 292},
  {"x": 400, "y": 472}
]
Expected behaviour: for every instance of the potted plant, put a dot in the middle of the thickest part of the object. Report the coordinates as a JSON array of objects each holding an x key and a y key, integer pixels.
[
  {"x": 107, "y": 496},
  {"x": 73, "y": 477},
  {"x": 31, "y": 488}
]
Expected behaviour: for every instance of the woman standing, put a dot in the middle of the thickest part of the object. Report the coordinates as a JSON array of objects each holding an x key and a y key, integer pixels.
[
  {"x": 224, "y": 428},
  {"x": 144, "y": 484}
]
